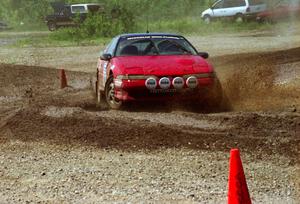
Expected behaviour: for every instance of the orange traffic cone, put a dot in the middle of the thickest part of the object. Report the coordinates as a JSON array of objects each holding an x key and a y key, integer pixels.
[
  {"x": 238, "y": 191},
  {"x": 63, "y": 79}
]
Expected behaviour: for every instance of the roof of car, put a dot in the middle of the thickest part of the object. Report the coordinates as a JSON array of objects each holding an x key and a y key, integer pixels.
[
  {"x": 147, "y": 34},
  {"x": 89, "y": 4}
]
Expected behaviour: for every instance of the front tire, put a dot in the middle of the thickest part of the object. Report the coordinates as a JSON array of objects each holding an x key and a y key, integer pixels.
[
  {"x": 215, "y": 99},
  {"x": 207, "y": 19},
  {"x": 113, "y": 103},
  {"x": 52, "y": 26}
]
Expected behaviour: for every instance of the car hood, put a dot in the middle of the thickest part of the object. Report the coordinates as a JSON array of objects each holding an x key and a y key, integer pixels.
[{"x": 162, "y": 65}]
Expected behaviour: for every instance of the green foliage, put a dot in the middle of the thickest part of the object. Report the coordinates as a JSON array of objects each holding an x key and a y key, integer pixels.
[{"x": 99, "y": 25}]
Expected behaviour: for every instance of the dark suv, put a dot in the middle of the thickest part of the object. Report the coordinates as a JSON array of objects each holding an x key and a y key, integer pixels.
[{"x": 65, "y": 15}]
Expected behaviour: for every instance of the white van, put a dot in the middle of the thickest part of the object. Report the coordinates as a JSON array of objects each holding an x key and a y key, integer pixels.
[{"x": 235, "y": 9}]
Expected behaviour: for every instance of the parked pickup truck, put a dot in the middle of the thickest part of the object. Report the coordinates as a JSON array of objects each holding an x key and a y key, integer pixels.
[{"x": 65, "y": 15}]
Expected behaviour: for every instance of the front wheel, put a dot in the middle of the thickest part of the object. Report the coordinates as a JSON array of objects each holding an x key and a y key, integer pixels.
[
  {"x": 207, "y": 19},
  {"x": 52, "y": 26},
  {"x": 215, "y": 99},
  {"x": 111, "y": 100}
]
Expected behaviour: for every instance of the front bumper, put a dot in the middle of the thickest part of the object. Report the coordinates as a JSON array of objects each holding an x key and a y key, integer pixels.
[{"x": 135, "y": 90}]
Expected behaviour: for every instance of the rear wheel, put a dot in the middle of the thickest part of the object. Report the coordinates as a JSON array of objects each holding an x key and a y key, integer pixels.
[
  {"x": 239, "y": 18},
  {"x": 111, "y": 100}
]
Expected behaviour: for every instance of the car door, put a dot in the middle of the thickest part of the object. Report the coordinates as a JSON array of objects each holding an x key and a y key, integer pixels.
[
  {"x": 234, "y": 7},
  {"x": 218, "y": 10},
  {"x": 64, "y": 17},
  {"x": 103, "y": 67}
]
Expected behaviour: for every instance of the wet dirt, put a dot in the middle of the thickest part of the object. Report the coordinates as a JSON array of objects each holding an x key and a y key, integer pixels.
[{"x": 56, "y": 147}]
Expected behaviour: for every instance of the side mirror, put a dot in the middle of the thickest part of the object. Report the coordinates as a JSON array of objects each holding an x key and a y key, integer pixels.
[
  {"x": 105, "y": 57},
  {"x": 205, "y": 55}
]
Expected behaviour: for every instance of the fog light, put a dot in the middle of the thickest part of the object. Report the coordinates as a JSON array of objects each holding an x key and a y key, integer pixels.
[
  {"x": 164, "y": 83},
  {"x": 151, "y": 83},
  {"x": 192, "y": 82},
  {"x": 178, "y": 83}
]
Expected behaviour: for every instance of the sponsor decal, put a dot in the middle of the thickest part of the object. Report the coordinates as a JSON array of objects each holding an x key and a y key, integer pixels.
[
  {"x": 154, "y": 36},
  {"x": 163, "y": 91}
]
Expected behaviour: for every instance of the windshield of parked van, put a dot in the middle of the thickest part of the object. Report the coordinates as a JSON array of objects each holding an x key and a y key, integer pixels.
[{"x": 154, "y": 45}]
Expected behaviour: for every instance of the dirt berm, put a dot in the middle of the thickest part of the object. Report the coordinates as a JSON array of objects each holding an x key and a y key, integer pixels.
[{"x": 55, "y": 147}]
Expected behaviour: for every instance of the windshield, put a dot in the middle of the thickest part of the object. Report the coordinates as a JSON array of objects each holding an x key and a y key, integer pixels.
[{"x": 154, "y": 45}]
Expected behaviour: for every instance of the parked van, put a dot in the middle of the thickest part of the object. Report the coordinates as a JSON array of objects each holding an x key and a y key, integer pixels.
[{"x": 238, "y": 10}]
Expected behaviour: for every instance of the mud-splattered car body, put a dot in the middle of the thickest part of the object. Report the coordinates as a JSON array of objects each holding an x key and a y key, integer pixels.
[{"x": 151, "y": 66}]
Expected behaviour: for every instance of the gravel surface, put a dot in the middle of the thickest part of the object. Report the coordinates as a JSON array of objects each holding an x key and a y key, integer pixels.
[{"x": 56, "y": 147}]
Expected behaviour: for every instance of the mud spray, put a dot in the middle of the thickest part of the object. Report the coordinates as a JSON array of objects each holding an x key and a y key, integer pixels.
[{"x": 264, "y": 81}]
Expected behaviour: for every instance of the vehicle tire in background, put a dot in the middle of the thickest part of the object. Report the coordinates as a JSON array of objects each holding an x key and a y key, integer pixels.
[
  {"x": 52, "y": 26},
  {"x": 207, "y": 19},
  {"x": 239, "y": 18},
  {"x": 112, "y": 102}
]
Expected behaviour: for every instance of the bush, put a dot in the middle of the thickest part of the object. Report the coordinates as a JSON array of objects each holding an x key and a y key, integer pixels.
[{"x": 118, "y": 21}]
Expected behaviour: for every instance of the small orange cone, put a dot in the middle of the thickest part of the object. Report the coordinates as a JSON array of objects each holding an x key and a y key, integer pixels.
[
  {"x": 63, "y": 79},
  {"x": 238, "y": 191}
]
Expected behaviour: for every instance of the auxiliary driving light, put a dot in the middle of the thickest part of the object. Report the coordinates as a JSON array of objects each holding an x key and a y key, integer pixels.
[
  {"x": 164, "y": 83},
  {"x": 178, "y": 83},
  {"x": 151, "y": 83},
  {"x": 192, "y": 82}
]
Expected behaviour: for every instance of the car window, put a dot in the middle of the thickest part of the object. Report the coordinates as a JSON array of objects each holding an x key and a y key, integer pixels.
[
  {"x": 65, "y": 11},
  {"x": 154, "y": 45},
  {"x": 234, "y": 3},
  {"x": 110, "y": 49},
  {"x": 218, "y": 5},
  {"x": 78, "y": 9},
  {"x": 256, "y": 2}
]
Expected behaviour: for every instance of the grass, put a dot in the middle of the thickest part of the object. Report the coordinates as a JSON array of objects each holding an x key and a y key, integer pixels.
[
  {"x": 185, "y": 26},
  {"x": 195, "y": 26}
]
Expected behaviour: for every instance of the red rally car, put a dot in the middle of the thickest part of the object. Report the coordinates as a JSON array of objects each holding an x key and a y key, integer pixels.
[{"x": 152, "y": 66}]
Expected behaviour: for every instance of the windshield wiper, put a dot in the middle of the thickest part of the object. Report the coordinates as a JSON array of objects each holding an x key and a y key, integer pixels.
[
  {"x": 180, "y": 46},
  {"x": 155, "y": 48}
]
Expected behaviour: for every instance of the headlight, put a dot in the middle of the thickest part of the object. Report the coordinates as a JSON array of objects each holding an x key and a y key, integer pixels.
[{"x": 118, "y": 83}]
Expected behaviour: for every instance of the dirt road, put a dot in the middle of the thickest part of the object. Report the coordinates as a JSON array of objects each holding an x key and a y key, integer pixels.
[{"x": 57, "y": 148}]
